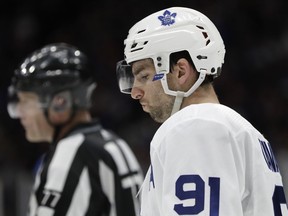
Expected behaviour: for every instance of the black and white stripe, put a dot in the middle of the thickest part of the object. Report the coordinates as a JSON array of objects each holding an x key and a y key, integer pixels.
[{"x": 90, "y": 172}]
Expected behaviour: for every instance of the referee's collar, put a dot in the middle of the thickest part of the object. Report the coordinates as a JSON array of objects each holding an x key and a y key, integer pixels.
[{"x": 84, "y": 127}]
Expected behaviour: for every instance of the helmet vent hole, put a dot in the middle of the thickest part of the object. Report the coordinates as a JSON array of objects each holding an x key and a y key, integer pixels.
[
  {"x": 205, "y": 34},
  {"x": 137, "y": 49},
  {"x": 200, "y": 27},
  {"x": 141, "y": 31},
  {"x": 145, "y": 42},
  {"x": 201, "y": 57},
  {"x": 133, "y": 45}
]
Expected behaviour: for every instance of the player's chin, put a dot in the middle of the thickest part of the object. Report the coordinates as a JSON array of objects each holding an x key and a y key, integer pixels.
[
  {"x": 156, "y": 119},
  {"x": 145, "y": 109}
]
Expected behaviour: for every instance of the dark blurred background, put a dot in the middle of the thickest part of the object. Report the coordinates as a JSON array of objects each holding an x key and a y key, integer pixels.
[{"x": 254, "y": 80}]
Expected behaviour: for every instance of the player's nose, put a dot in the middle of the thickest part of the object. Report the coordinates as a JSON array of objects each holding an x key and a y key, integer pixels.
[{"x": 136, "y": 93}]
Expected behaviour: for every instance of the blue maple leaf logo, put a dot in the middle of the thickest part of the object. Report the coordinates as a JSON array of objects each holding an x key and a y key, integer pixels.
[{"x": 168, "y": 18}]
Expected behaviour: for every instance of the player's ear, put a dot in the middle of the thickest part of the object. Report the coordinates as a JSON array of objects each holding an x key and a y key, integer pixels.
[{"x": 184, "y": 71}]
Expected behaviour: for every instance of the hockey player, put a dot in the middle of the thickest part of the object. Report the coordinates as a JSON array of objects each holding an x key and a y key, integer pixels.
[{"x": 206, "y": 159}]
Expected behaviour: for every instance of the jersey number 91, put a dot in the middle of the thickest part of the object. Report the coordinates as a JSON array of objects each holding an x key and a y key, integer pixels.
[{"x": 198, "y": 195}]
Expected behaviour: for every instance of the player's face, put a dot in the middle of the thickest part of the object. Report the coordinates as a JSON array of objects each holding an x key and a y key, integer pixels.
[
  {"x": 150, "y": 93},
  {"x": 33, "y": 119}
]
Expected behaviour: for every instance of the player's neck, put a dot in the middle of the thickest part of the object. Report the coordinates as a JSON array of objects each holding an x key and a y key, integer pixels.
[{"x": 205, "y": 94}]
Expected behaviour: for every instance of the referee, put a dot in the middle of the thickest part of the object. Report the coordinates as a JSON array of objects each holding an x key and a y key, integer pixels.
[{"x": 88, "y": 170}]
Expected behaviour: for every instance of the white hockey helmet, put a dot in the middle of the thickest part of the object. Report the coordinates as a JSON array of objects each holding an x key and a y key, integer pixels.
[{"x": 168, "y": 31}]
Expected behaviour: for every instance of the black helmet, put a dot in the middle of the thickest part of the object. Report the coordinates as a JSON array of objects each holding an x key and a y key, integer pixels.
[{"x": 53, "y": 69}]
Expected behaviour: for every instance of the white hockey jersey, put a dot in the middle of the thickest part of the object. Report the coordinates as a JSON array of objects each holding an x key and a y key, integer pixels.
[{"x": 208, "y": 160}]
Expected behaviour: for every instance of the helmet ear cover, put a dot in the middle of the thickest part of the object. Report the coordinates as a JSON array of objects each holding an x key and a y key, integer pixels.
[{"x": 61, "y": 101}]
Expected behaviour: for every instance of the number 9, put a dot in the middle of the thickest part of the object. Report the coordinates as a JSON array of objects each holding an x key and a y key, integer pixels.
[{"x": 198, "y": 195}]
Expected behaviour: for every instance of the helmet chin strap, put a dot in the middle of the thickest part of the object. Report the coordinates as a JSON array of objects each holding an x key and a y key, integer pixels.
[
  {"x": 180, "y": 95},
  {"x": 177, "y": 102}
]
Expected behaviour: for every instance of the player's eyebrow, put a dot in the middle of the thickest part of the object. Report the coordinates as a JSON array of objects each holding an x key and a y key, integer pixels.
[
  {"x": 144, "y": 64},
  {"x": 138, "y": 69}
]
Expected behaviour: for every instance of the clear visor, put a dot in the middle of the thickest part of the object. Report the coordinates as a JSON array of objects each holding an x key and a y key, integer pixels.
[
  {"x": 16, "y": 106},
  {"x": 12, "y": 105},
  {"x": 12, "y": 109},
  {"x": 124, "y": 76}
]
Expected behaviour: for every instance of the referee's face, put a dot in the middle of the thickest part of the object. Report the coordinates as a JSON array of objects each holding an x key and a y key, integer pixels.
[{"x": 33, "y": 119}]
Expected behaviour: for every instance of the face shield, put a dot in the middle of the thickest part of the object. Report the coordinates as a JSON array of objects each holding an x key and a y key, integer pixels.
[
  {"x": 126, "y": 79},
  {"x": 12, "y": 105},
  {"x": 124, "y": 76},
  {"x": 16, "y": 106}
]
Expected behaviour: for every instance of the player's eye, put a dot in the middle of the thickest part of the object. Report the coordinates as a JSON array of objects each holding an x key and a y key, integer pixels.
[
  {"x": 145, "y": 77},
  {"x": 142, "y": 77}
]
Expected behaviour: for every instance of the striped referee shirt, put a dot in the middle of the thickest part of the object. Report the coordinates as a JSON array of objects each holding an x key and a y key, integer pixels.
[{"x": 89, "y": 172}]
